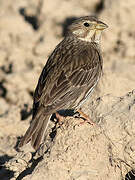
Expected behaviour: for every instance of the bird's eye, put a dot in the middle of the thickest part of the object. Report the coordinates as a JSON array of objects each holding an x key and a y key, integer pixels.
[{"x": 86, "y": 24}]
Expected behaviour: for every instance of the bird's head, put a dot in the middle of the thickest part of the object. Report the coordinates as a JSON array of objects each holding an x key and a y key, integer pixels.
[{"x": 87, "y": 28}]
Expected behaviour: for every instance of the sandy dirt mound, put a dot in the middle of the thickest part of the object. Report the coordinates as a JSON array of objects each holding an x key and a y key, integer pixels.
[{"x": 29, "y": 31}]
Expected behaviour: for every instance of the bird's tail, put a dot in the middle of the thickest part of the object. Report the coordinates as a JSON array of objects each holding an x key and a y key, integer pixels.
[{"x": 36, "y": 130}]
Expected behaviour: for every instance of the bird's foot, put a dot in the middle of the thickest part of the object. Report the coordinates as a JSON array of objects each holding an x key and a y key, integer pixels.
[
  {"x": 59, "y": 118},
  {"x": 85, "y": 117}
]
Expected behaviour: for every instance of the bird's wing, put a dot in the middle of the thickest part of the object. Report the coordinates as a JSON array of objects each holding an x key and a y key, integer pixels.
[{"x": 63, "y": 81}]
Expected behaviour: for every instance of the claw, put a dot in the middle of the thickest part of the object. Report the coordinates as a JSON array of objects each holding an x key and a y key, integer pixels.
[
  {"x": 59, "y": 118},
  {"x": 85, "y": 117}
]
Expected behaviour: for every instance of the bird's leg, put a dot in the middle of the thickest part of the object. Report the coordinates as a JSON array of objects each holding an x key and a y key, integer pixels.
[
  {"x": 59, "y": 118},
  {"x": 85, "y": 117}
]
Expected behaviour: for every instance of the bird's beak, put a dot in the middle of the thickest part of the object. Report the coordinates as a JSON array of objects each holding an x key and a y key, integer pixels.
[{"x": 101, "y": 26}]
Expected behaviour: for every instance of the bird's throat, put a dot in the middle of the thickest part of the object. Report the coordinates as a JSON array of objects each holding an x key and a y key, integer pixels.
[
  {"x": 97, "y": 36},
  {"x": 92, "y": 36}
]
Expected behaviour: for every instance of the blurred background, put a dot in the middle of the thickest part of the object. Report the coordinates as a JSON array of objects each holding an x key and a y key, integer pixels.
[{"x": 30, "y": 30}]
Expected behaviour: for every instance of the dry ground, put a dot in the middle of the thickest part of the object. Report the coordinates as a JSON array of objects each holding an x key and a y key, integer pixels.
[{"x": 29, "y": 31}]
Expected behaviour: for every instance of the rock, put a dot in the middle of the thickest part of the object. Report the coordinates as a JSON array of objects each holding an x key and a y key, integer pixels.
[{"x": 29, "y": 31}]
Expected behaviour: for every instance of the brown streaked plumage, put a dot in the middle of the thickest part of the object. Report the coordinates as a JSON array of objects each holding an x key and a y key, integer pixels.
[{"x": 70, "y": 74}]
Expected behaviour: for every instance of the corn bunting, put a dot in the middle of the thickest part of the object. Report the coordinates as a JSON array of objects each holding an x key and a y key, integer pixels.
[{"x": 69, "y": 76}]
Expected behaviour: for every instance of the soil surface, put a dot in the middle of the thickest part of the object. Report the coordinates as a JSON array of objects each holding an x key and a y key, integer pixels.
[{"x": 29, "y": 31}]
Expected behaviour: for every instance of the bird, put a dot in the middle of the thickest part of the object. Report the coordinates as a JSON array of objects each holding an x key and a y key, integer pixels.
[{"x": 68, "y": 77}]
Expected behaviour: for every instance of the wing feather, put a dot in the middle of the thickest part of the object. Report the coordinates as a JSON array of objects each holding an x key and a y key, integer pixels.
[{"x": 61, "y": 83}]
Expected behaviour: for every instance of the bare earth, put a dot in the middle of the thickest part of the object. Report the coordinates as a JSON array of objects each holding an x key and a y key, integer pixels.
[{"x": 29, "y": 31}]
